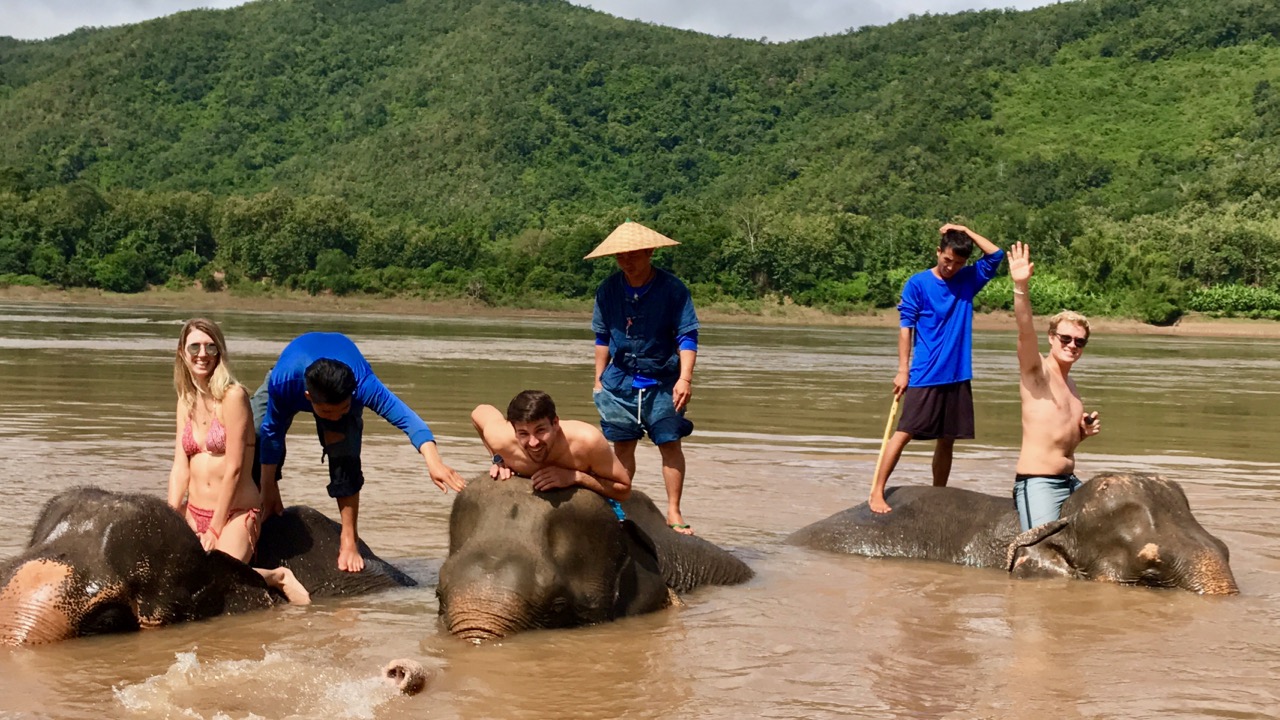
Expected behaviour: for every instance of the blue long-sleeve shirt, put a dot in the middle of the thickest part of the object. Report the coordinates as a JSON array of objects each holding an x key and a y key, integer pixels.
[
  {"x": 286, "y": 392},
  {"x": 644, "y": 328},
  {"x": 941, "y": 311}
]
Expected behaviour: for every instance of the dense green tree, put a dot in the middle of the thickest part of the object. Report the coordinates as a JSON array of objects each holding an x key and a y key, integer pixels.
[{"x": 479, "y": 149}]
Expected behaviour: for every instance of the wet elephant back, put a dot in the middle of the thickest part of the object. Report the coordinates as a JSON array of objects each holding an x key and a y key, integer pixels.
[
  {"x": 687, "y": 561},
  {"x": 305, "y": 540},
  {"x": 929, "y": 523}
]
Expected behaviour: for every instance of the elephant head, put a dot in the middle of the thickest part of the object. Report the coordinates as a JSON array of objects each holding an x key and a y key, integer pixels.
[
  {"x": 520, "y": 559},
  {"x": 1132, "y": 529},
  {"x": 103, "y": 562}
]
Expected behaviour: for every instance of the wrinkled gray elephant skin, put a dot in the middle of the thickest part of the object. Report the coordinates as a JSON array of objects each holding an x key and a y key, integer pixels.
[
  {"x": 520, "y": 559},
  {"x": 101, "y": 562},
  {"x": 1126, "y": 528}
]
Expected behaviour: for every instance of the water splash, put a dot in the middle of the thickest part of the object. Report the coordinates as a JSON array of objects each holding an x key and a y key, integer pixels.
[{"x": 277, "y": 686}]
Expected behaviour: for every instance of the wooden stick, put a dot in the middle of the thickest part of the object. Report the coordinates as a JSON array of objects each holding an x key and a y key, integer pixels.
[{"x": 888, "y": 430}]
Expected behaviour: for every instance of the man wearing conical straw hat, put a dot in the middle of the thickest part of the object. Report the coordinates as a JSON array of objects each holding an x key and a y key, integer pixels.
[{"x": 646, "y": 345}]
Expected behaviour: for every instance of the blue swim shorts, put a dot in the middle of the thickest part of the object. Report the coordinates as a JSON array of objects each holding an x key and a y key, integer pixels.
[
  {"x": 1040, "y": 497},
  {"x": 630, "y": 414}
]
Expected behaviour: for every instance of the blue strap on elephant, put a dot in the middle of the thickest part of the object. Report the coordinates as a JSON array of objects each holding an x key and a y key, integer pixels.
[{"x": 617, "y": 509}]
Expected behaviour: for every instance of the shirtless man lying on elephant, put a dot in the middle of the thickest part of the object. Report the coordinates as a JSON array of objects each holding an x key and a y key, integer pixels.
[{"x": 532, "y": 441}]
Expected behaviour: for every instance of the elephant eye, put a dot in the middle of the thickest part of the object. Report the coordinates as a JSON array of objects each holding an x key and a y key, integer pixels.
[{"x": 560, "y": 604}]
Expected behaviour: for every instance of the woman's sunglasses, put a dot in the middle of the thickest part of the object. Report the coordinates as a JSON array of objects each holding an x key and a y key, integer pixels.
[
  {"x": 1066, "y": 340},
  {"x": 210, "y": 349}
]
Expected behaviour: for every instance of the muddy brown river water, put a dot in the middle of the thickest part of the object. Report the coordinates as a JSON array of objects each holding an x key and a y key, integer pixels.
[{"x": 788, "y": 424}]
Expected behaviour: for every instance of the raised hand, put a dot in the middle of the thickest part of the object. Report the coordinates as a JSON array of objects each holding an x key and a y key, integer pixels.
[{"x": 1020, "y": 266}]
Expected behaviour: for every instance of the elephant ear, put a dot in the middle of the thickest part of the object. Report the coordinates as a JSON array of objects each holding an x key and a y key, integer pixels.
[{"x": 1041, "y": 551}]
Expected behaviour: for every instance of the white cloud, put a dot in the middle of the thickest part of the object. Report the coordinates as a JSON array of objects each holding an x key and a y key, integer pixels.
[
  {"x": 37, "y": 19},
  {"x": 775, "y": 19}
]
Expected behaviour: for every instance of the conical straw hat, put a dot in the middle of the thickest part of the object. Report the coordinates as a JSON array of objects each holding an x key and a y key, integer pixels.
[{"x": 630, "y": 236}]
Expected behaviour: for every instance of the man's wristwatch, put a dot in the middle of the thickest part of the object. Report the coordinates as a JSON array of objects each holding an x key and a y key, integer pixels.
[{"x": 497, "y": 459}]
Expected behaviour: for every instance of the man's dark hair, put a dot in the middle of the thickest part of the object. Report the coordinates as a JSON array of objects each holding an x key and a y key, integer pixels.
[
  {"x": 959, "y": 242},
  {"x": 329, "y": 381},
  {"x": 531, "y": 406}
]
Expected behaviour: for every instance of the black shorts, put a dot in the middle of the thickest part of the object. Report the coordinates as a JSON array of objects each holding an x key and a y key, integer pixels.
[{"x": 938, "y": 412}]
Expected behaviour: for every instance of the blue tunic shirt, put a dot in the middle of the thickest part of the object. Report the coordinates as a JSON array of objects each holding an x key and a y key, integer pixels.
[
  {"x": 286, "y": 388},
  {"x": 941, "y": 311},
  {"x": 643, "y": 328}
]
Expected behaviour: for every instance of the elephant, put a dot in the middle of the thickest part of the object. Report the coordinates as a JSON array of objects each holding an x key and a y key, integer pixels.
[
  {"x": 101, "y": 562},
  {"x": 1125, "y": 528},
  {"x": 521, "y": 559}
]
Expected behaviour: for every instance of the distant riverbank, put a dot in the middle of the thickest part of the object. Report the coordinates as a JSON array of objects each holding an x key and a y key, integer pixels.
[{"x": 766, "y": 313}]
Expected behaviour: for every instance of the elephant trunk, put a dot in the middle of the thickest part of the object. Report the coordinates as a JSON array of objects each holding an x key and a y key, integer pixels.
[
  {"x": 31, "y": 605},
  {"x": 1209, "y": 574},
  {"x": 485, "y": 615},
  {"x": 407, "y": 676}
]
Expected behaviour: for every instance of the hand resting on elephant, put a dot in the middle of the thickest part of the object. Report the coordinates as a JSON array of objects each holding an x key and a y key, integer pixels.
[
  {"x": 1126, "y": 528},
  {"x": 521, "y": 559},
  {"x": 101, "y": 562}
]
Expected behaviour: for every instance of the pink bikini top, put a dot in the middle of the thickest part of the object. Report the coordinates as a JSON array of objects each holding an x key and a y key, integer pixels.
[{"x": 215, "y": 441}]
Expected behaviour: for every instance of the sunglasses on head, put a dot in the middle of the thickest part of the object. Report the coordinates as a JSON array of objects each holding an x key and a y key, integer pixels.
[
  {"x": 210, "y": 349},
  {"x": 1066, "y": 340}
]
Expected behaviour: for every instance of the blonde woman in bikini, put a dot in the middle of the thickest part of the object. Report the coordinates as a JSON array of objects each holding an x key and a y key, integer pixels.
[{"x": 211, "y": 482}]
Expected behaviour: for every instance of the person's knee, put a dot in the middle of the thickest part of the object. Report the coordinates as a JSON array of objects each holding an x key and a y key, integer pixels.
[
  {"x": 346, "y": 477},
  {"x": 673, "y": 450}
]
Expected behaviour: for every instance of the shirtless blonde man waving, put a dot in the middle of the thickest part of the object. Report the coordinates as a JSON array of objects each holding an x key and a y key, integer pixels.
[
  {"x": 1053, "y": 418},
  {"x": 532, "y": 441}
]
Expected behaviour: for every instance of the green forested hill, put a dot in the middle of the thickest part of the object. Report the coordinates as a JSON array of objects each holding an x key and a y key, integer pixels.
[{"x": 481, "y": 147}]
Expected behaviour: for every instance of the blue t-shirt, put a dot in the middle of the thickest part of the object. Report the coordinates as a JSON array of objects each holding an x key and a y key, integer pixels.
[
  {"x": 286, "y": 388},
  {"x": 644, "y": 330},
  {"x": 941, "y": 311}
]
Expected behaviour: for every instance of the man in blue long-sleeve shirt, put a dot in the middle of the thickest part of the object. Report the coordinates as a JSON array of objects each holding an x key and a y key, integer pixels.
[
  {"x": 325, "y": 374},
  {"x": 937, "y": 401}
]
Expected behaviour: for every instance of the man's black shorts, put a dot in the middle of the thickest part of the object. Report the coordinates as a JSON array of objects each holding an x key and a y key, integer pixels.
[{"x": 938, "y": 411}]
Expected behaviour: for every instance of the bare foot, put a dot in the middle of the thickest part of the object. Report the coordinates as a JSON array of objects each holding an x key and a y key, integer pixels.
[
  {"x": 286, "y": 582},
  {"x": 878, "y": 505},
  {"x": 293, "y": 589},
  {"x": 349, "y": 558}
]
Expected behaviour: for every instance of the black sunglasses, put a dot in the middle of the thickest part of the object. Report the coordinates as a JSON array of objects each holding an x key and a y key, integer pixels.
[
  {"x": 210, "y": 349},
  {"x": 1066, "y": 340}
]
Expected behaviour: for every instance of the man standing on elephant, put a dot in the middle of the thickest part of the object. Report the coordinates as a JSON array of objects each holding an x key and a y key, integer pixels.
[
  {"x": 325, "y": 374},
  {"x": 933, "y": 381},
  {"x": 646, "y": 345},
  {"x": 1054, "y": 422},
  {"x": 532, "y": 441}
]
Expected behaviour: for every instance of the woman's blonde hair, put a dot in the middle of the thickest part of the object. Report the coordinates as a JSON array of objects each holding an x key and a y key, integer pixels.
[{"x": 219, "y": 381}]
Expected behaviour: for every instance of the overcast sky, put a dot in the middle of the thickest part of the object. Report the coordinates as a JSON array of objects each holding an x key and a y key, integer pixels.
[{"x": 774, "y": 19}]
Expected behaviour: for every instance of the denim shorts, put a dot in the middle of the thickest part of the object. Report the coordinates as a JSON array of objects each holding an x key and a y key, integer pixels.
[
  {"x": 630, "y": 414},
  {"x": 346, "y": 476},
  {"x": 1039, "y": 498}
]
